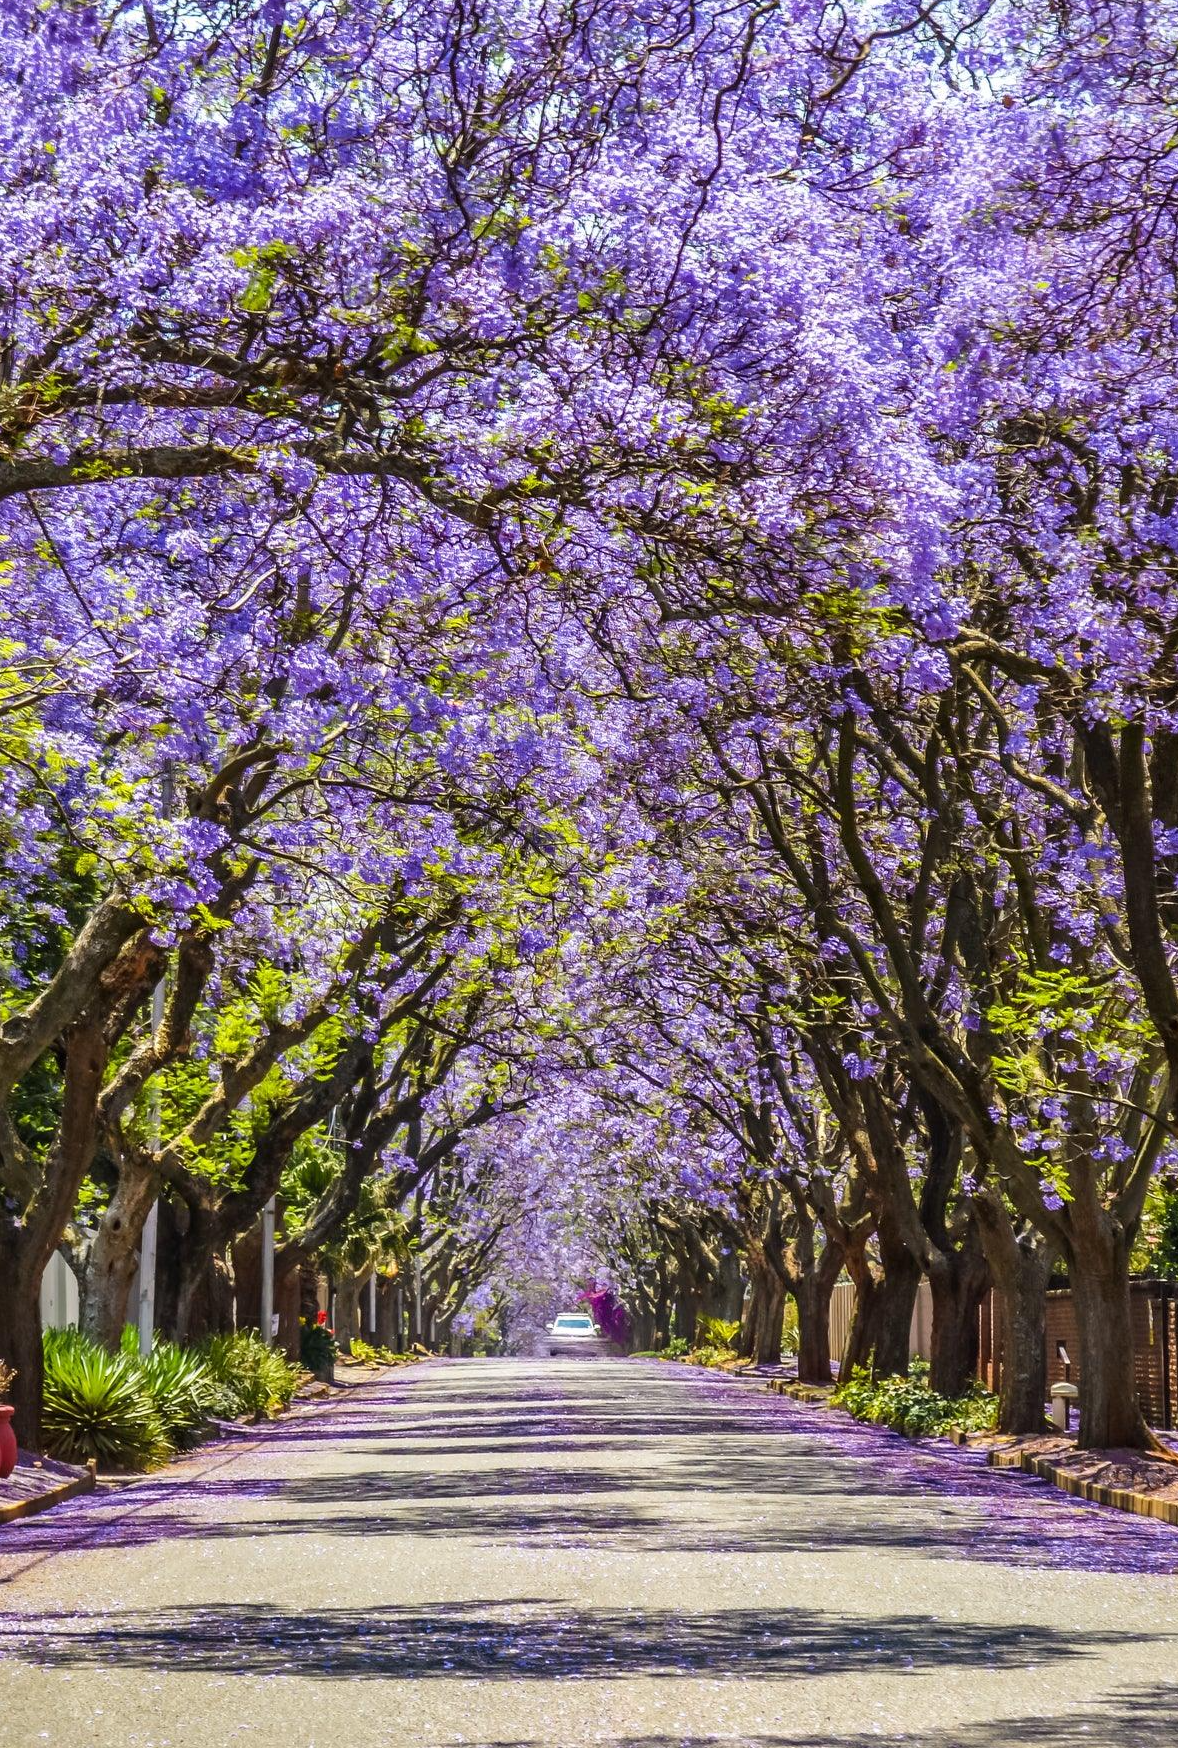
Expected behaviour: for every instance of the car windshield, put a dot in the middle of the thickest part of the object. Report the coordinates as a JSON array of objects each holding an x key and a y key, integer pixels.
[{"x": 582, "y": 1324}]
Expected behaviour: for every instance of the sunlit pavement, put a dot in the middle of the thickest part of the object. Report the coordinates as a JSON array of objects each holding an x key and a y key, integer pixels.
[{"x": 507, "y": 1553}]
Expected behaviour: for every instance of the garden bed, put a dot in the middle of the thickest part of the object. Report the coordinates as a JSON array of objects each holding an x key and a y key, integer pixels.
[
  {"x": 366, "y": 1357},
  {"x": 707, "y": 1358},
  {"x": 1126, "y": 1480},
  {"x": 39, "y": 1482}
]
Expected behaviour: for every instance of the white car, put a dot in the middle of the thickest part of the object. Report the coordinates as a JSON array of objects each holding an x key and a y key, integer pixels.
[{"x": 573, "y": 1334}]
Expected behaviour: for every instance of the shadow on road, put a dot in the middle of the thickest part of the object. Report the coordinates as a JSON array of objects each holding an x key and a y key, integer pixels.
[
  {"x": 541, "y": 1641},
  {"x": 1142, "y": 1717},
  {"x": 1137, "y": 1718},
  {"x": 725, "y": 1470},
  {"x": 685, "y": 1504}
]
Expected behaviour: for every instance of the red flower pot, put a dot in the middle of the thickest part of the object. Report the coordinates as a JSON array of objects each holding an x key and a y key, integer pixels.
[{"x": 7, "y": 1440}]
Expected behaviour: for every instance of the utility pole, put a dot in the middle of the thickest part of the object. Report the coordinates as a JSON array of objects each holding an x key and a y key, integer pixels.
[
  {"x": 149, "y": 1238},
  {"x": 417, "y": 1298},
  {"x": 267, "y": 1308},
  {"x": 372, "y": 1304}
]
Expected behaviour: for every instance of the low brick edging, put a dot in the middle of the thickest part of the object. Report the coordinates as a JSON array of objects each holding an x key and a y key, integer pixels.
[
  {"x": 817, "y": 1395},
  {"x": 1095, "y": 1492},
  {"x": 52, "y": 1496}
]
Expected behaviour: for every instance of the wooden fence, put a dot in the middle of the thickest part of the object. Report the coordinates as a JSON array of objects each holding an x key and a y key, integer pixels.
[{"x": 842, "y": 1310}]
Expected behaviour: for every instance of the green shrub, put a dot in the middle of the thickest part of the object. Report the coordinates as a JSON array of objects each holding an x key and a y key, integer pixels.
[
  {"x": 129, "y": 1410},
  {"x": 255, "y": 1380},
  {"x": 96, "y": 1404},
  {"x": 180, "y": 1384},
  {"x": 368, "y": 1355},
  {"x": 909, "y": 1406},
  {"x": 1165, "y": 1254},
  {"x": 714, "y": 1344},
  {"x": 716, "y": 1357},
  {"x": 718, "y": 1332},
  {"x": 318, "y": 1347}
]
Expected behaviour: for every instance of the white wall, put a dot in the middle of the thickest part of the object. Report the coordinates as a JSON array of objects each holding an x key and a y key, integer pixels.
[
  {"x": 59, "y": 1295},
  {"x": 920, "y": 1337}
]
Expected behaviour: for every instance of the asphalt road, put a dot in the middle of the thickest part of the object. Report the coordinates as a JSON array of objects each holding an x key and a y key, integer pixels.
[{"x": 547, "y": 1554}]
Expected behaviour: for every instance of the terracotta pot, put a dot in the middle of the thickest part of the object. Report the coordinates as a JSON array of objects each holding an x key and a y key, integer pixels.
[{"x": 7, "y": 1440}]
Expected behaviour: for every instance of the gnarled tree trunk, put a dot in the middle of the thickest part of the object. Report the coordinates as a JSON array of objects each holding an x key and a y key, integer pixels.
[
  {"x": 195, "y": 1262},
  {"x": 958, "y": 1279},
  {"x": 1021, "y": 1266},
  {"x": 642, "y": 1329},
  {"x": 882, "y": 1324},
  {"x": 20, "y": 1335},
  {"x": 764, "y": 1311},
  {"x": 1110, "y": 1414},
  {"x": 812, "y": 1294},
  {"x": 29, "y": 1238},
  {"x": 810, "y": 1272},
  {"x": 857, "y": 1348},
  {"x": 114, "y": 1257},
  {"x": 204, "y": 1299},
  {"x": 387, "y": 1315},
  {"x": 724, "y": 1295},
  {"x": 347, "y": 1309}
]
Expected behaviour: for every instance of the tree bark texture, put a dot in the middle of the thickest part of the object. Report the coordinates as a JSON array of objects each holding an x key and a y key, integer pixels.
[
  {"x": 764, "y": 1312},
  {"x": 812, "y": 1294},
  {"x": 1021, "y": 1266},
  {"x": 347, "y": 1309},
  {"x": 881, "y": 1327},
  {"x": 387, "y": 1315},
  {"x": 20, "y": 1337},
  {"x": 114, "y": 1257},
  {"x": 29, "y": 1238},
  {"x": 958, "y": 1280},
  {"x": 1110, "y": 1414}
]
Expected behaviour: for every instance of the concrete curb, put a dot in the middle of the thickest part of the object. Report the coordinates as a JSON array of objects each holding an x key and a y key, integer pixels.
[
  {"x": 52, "y": 1496},
  {"x": 1119, "y": 1498}
]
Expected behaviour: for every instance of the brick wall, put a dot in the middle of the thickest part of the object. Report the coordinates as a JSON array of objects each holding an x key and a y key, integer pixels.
[
  {"x": 1154, "y": 1308},
  {"x": 990, "y": 1341},
  {"x": 1062, "y": 1332}
]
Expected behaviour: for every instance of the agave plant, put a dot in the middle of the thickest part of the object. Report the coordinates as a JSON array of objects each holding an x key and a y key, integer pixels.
[
  {"x": 179, "y": 1383},
  {"x": 95, "y": 1404}
]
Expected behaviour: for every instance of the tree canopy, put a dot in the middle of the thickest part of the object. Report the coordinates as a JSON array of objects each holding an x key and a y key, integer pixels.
[{"x": 590, "y": 589}]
